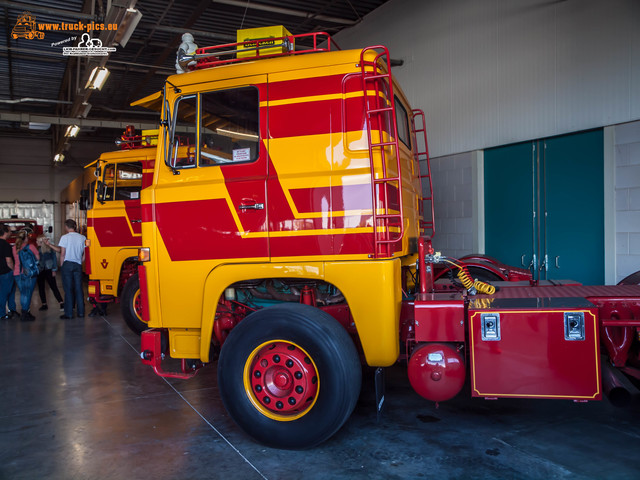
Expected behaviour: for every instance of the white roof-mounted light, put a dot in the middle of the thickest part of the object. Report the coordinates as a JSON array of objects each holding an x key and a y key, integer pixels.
[
  {"x": 127, "y": 25},
  {"x": 72, "y": 131},
  {"x": 98, "y": 76}
]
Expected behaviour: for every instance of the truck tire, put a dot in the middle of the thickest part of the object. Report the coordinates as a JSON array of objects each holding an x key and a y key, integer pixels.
[
  {"x": 289, "y": 375},
  {"x": 131, "y": 305}
]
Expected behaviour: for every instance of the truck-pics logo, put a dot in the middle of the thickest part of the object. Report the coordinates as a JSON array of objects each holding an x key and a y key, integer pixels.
[{"x": 26, "y": 27}]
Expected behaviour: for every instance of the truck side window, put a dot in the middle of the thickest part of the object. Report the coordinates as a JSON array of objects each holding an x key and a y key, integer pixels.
[
  {"x": 182, "y": 153},
  {"x": 229, "y": 126},
  {"x": 109, "y": 182},
  {"x": 402, "y": 123},
  {"x": 129, "y": 181}
]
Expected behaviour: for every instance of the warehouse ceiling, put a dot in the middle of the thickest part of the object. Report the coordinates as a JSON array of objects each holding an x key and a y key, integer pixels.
[{"x": 44, "y": 74}]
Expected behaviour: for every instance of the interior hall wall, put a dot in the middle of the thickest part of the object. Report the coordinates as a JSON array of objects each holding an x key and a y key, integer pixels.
[
  {"x": 453, "y": 204},
  {"x": 27, "y": 172},
  {"x": 495, "y": 72},
  {"x": 627, "y": 192}
]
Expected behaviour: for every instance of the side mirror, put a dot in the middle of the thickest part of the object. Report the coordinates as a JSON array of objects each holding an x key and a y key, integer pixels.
[
  {"x": 101, "y": 191},
  {"x": 83, "y": 203}
]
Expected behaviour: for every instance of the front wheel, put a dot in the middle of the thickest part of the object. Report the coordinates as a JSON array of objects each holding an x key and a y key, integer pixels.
[
  {"x": 289, "y": 375},
  {"x": 131, "y": 305}
]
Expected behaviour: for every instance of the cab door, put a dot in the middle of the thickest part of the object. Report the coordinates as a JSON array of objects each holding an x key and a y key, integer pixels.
[
  {"x": 210, "y": 199},
  {"x": 115, "y": 219}
]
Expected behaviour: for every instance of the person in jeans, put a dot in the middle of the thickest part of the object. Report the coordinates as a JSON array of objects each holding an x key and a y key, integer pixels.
[
  {"x": 26, "y": 283},
  {"x": 48, "y": 268},
  {"x": 6, "y": 271},
  {"x": 71, "y": 250}
]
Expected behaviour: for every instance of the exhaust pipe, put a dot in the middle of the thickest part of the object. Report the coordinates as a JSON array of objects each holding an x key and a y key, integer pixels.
[{"x": 618, "y": 389}]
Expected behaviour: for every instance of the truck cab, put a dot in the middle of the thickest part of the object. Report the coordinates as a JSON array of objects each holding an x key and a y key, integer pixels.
[
  {"x": 300, "y": 182},
  {"x": 112, "y": 203}
]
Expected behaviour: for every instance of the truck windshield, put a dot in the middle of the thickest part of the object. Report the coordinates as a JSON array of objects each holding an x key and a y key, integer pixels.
[{"x": 122, "y": 181}]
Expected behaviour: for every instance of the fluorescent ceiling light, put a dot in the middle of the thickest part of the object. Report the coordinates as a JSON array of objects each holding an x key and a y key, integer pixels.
[
  {"x": 72, "y": 131},
  {"x": 85, "y": 109},
  {"x": 127, "y": 26},
  {"x": 39, "y": 126},
  {"x": 233, "y": 134},
  {"x": 98, "y": 76}
]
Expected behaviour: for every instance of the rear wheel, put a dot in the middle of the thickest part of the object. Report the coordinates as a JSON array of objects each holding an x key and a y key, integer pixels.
[
  {"x": 131, "y": 305},
  {"x": 289, "y": 375}
]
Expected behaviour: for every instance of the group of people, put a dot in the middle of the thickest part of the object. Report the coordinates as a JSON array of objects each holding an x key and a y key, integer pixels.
[{"x": 24, "y": 265}]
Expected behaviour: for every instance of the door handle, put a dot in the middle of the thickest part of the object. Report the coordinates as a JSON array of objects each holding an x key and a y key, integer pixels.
[
  {"x": 136, "y": 221},
  {"x": 557, "y": 261},
  {"x": 543, "y": 265},
  {"x": 255, "y": 206},
  {"x": 532, "y": 264}
]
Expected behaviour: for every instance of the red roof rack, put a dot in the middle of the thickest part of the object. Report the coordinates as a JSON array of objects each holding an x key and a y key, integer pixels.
[{"x": 216, "y": 55}]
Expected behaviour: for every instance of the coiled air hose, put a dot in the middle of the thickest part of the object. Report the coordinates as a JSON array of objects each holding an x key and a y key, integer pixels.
[{"x": 469, "y": 283}]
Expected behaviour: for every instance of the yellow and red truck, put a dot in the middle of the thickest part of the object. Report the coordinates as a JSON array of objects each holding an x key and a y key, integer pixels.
[
  {"x": 290, "y": 236},
  {"x": 112, "y": 204}
]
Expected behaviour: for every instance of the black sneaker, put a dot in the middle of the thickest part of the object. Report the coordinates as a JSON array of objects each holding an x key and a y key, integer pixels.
[
  {"x": 65, "y": 317},
  {"x": 43, "y": 307},
  {"x": 61, "y": 307},
  {"x": 6, "y": 316},
  {"x": 13, "y": 313}
]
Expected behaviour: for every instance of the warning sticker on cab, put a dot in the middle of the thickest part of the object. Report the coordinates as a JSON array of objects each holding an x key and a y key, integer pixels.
[{"x": 242, "y": 155}]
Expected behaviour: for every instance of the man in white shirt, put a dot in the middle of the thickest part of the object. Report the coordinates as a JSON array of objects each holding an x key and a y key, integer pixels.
[{"x": 71, "y": 249}]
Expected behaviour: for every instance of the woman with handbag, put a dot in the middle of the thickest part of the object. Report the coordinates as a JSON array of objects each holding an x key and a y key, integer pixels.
[
  {"x": 25, "y": 271},
  {"x": 48, "y": 269}
]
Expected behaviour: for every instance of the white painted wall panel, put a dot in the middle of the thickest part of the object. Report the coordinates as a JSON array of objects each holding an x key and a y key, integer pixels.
[
  {"x": 525, "y": 83},
  {"x": 627, "y": 203},
  {"x": 27, "y": 173},
  {"x": 494, "y": 72}
]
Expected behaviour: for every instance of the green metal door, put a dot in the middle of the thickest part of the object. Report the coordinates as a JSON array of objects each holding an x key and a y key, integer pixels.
[
  {"x": 508, "y": 203},
  {"x": 575, "y": 207},
  {"x": 544, "y": 206}
]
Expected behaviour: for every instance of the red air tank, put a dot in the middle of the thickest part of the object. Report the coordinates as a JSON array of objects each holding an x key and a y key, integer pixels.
[{"x": 436, "y": 371}]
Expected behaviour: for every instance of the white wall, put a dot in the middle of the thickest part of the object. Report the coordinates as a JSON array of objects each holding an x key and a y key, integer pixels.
[
  {"x": 495, "y": 72},
  {"x": 627, "y": 172},
  {"x": 453, "y": 204},
  {"x": 27, "y": 173}
]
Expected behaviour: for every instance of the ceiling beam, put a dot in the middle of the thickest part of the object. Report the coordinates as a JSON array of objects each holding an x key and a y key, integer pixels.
[
  {"x": 195, "y": 33},
  {"x": 81, "y": 122},
  {"x": 9, "y": 59},
  {"x": 170, "y": 49},
  {"x": 284, "y": 11},
  {"x": 30, "y": 7}
]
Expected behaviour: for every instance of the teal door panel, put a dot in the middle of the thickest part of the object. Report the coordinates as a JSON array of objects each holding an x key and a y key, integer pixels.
[
  {"x": 544, "y": 203},
  {"x": 508, "y": 194},
  {"x": 575, "y": 207}
]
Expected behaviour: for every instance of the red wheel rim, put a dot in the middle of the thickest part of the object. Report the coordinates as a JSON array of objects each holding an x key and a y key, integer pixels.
[
  {"x": 281, "y": 380},
  {"x": 137, "y": 305}
]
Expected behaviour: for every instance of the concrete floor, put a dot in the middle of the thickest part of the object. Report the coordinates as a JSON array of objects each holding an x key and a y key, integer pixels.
[{"x": 76, "y": 403}]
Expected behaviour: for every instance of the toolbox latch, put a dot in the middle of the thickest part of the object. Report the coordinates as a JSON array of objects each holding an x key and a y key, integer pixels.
[
  {"x": 490, "y": 326},
  {"x": 574, "y": 325}
]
